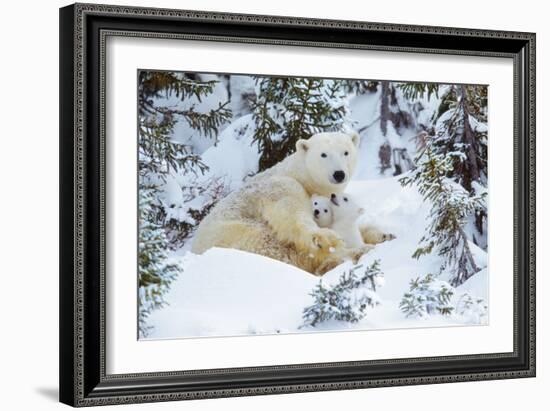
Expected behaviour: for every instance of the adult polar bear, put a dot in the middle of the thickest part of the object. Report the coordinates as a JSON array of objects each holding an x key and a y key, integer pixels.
[{"x": 271, "y": 214}]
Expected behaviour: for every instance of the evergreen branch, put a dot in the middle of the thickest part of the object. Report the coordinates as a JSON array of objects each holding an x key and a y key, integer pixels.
[
  {"x": 347, "y": 300},
  {"x": 451, "y": 205}
]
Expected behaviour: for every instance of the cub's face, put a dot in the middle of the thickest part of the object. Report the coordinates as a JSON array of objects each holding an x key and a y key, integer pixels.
[
  {"x": 344, "y": 207},
  {"x": 329, "y": 159},
  {"x": 322, "y": 210}
]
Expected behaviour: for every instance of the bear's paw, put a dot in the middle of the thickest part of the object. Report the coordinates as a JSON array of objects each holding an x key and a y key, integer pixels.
[{"x": 327, "y": 240}]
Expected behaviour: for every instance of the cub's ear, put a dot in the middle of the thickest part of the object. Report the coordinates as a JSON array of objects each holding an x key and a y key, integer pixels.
[
  {"x": 302, "y": 145},
  {"x": 354, "y": 138}
]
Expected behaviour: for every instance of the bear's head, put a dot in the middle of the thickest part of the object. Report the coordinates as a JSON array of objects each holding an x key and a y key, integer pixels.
[
  {"x": 322, "y": 210},
  {"x": 329, "y": 160},
  {"x": 345, "y": 208}
]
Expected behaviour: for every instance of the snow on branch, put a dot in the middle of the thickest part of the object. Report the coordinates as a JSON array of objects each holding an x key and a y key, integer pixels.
[
  {"x": 348, "y": 300},
  {"x": 451, "y": 206},
  {"x": 427, "y": 296}
]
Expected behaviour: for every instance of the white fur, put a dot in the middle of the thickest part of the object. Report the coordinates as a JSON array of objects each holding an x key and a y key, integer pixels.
[
  {"x": 327, "y": 153},
  {"x": 321, "y": 208},
  {"x": 345, "y": 214},
  {"x": 271, "y": 214}
]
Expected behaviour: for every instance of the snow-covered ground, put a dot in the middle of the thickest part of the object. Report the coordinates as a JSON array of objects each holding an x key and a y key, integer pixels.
[{"x": 229, "y": 292}]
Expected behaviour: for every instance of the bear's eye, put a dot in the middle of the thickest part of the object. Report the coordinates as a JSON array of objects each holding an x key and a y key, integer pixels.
[
  {"x": 315, "y": 203},
  {"x": 326, "y": 211},
  {"x": 324, "y": 155},
  {"x": 346, "y": 153},
  {"x": 345, "y": 199}
]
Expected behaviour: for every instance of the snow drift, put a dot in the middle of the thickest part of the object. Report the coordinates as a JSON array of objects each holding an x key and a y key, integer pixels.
[{"x": 230, "y": 292}]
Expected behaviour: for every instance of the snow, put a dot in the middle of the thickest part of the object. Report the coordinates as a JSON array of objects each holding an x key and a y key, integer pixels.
[
  {"x": 235, "y": 157},
  {"x": 365, "y": 115},
  {"x": 229, "y": 163},
  {"x": 476, "y": 285},
  {"x": 172, "y": 200},
  {"x": 231, "y": 292},
  {"x": 182, "y": 132},
  {"x": 241, "y": 88},
  {"x": 426, "y": 107},
  {"x": 476, "y": 125},
  {"x": 364, "y": 108}
]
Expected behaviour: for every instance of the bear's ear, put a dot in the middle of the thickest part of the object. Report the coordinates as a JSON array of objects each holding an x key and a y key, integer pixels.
[
  {"x": 354, "y": 138},
  {"x": 302, "y": 145},
  {"x": 361, "y": 211}
]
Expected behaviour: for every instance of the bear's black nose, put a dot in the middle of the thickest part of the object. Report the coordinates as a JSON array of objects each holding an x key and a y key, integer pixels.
[
  {"x": 339, "y": 176},
  {"x": 316, "y": 212}
]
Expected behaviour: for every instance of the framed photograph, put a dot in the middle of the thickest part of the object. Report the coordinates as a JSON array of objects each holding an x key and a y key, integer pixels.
[{"x": 261, "y": 204}]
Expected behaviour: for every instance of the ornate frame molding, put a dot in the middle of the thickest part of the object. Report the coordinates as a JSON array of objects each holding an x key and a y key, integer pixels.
[{"x": 82, "y": 369}]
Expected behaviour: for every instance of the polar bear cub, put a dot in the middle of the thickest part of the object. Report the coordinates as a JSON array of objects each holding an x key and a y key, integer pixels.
[
  {"x": 345, "y": 219},
  {"x": 341, "y": 214},
  {"x": 322, "y": 211}
]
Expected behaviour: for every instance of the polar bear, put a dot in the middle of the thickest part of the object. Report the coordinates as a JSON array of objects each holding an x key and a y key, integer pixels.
[
  {"x": 271, "y": 214},
  {"x": 345, "y": 216},
  {"x": 322, "y": 211},
  {"x": 323, "y": 214}
]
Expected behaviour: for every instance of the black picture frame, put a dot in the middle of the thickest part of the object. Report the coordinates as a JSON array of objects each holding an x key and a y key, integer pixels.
[{"x": 83, "y": 29}]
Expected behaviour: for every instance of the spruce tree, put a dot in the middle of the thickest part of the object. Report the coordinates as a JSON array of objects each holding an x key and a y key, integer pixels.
[
  {"x": 451, "y": 173},
  {"x": 460, "y": 131},
  {"x": 156, "y": 272},
  {"x": 413, "y": 91},
  {"x": 451, "y": 205},
  {"x": 159, "y": 156},
  {"x": 348, "y": 300},
  {"x": 427, "y": 296},
  {"x": 288, "y": 109},
  {"x": 358, "y": 87},
  {"x": 158, "y": 153}
]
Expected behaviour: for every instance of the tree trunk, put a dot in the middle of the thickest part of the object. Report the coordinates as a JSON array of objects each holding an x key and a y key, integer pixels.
[
  {"x": 385, "y": 107},
  {"x": 471, "y": 170}
]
